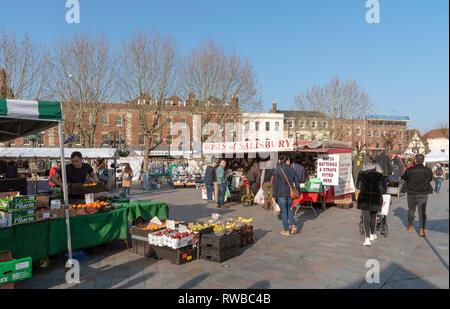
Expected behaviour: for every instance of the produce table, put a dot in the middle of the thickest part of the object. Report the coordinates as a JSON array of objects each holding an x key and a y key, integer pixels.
[{"x": 40, "y": 239}]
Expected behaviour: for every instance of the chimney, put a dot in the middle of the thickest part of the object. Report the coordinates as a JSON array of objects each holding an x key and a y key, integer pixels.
[{"x": 274, "y": 107}]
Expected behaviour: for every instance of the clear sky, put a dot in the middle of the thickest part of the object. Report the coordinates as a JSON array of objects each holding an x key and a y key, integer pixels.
[{"x": 402, "y": 62}]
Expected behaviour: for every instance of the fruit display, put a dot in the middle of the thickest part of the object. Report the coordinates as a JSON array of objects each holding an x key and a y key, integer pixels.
[
  {"x": 151, "y": 226},
  {"x": 90, "y": 184},
  {"x": 91, "y": 205},
  {"x": 221, "y": 227},
  {"x": 172, "y": 238}
]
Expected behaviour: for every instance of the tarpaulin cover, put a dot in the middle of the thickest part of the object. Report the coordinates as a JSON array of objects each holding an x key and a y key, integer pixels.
[{"x": 40, "y": 239}]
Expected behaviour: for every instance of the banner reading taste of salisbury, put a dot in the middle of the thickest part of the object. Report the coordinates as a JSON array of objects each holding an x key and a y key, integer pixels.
[{"x": 278, "y": 145}]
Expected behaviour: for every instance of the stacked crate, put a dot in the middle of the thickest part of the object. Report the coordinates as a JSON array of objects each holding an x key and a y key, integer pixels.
[{"x": 219, "y": 248}]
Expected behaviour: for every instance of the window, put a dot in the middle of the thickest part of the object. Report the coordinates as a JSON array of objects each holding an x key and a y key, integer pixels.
[
  {"x": 349, "y": 132},
  {"x": 313, "y": 124},
  {"x": 182, "y": 103},
  {"x": 183, "y": 122},
  {"x": 392, "y": 147},
  {"x": 277, "y": 126},
  {"x": 377, "y": 145},
  {"x": 370, "y": 133},
  {"x": 169, "y": 122},
  {"x": 105, "y": 139},
  {"x": 378, "y": 134},
  {"x": 302, "y": 124},
  {"x": 290, "y": 124},
  {"x": 105, "y": 120},
  {"x": 358, "y": 132},
  {"x": 384, "y": 133},
  {"x": 267, "y": 126},
  {"x": 400, "y": 134},
  {"x": 400, "y": 148},
  {"x": 118, "y": 121},
  {"x": 325, "y": 125},
  {"x": 141, "y": 139},
  {"x": 169, "y": 103},
  {"x": 247, "y": 126},
  {"x": 257, "y": 126}
]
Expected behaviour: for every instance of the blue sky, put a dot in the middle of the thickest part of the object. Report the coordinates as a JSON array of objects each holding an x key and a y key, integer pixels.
[{"x": 402, "y": 62}]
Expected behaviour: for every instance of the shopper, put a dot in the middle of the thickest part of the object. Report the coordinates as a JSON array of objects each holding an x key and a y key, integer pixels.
[
  {"x": 385, "y": 163},
  {"x": 102, "y": 171},
  {"x": 221, "y": 178},
  {"x": 77, "y": 171},
  {"x": 267, "y": 188},
  {"x": 438, "y": 173},
  {"x": 209, "y": 181},
  {"x": 418, "y": 185},
  {"x": 299, "y": 171},
  {"x": 53, "y": 170},
  {"x": 285, "y": 178},
  {"x": 372, "y": 186},
  {"x": 254, "y": 177},
  {"x": 126, "y": 176}
]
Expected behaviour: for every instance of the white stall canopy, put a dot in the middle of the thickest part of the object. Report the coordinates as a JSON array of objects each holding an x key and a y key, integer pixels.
[
  {"x": 436, "y": 156},
  {"x": 88, "y": 153}
]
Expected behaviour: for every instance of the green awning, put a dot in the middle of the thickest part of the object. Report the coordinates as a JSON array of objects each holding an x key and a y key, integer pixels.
[{"x": 21, "y": 118}]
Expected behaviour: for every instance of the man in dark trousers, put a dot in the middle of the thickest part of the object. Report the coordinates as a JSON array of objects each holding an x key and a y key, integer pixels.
[
  {"x": 418, "y": 185},
  {"x": 210, "y": 176},
  {"x": 299, "y": 170}
]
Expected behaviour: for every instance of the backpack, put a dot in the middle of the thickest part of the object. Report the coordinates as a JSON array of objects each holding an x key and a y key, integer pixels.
[{"x": 439, "y": 171}]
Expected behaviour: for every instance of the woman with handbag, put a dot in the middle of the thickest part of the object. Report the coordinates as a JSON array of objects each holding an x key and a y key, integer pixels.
[
  {"x": 285, "y": 190},
  {"x": 127, "y": 176}
]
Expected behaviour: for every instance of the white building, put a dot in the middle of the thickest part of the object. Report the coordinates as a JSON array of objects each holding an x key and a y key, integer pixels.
[
  {"x": 437, "y": 140},
  {"x": 262, "y": 126},
  {"x": 415, "y": 143}
]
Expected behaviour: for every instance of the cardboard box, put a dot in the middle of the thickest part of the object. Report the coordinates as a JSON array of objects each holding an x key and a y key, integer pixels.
[
  {"x": 6, "y": 256},
  {"x": 14, "y": 270},
  {"x": 14, "y": 200},
  {"x": 43, "y": 201},
  {"x": 10, "y": 218}
]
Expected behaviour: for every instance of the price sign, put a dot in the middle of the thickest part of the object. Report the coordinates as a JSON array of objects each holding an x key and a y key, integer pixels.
[
  {"x": 182, "y": 228},
  {"x": 156, "y": 221},
  {"x": 89, "y": 198},
  {"x": 55, "y": 204},
  {"x": 170, "y": 224}
]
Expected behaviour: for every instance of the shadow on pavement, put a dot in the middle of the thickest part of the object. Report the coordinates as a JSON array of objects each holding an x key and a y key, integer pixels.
[
  {"x": 260, "y": 285},
  {"x": 194, "y": 281},
  {"x": 393, "y": 276}
]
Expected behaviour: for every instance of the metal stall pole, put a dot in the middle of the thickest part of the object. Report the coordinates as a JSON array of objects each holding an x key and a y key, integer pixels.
[{"x": 65, "y": 192}]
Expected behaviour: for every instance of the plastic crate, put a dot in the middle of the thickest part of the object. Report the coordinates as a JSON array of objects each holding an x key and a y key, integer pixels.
[
  {"x": 211, "y": 241},
  {"x": 176, "y": 256},
  {"x": 219, "y": 256},
  {"x": 140, "y": 246}
]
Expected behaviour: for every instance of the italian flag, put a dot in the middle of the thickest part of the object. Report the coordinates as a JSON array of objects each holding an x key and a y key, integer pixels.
[{"x": 33, "y": 110}]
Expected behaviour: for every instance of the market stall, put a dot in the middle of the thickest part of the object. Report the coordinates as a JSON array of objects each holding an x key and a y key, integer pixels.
[
  {"x": 329, "y": 173},
  {"x": 438, "y": 157}
]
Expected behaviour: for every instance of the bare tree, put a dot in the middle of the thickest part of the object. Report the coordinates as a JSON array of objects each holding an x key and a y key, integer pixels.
[
  {"x": 443, "y": 127},
  {"x": 24, "y": 66},
  {"x": 83, "y": 76},
  {"x": 147, "y": 77},
  {"x": 218, "y": 83},
  {"x": 338, "y": 100}
]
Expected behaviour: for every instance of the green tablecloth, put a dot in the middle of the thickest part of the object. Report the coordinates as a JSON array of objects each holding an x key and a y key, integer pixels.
[{"x": 40, "y": 239}]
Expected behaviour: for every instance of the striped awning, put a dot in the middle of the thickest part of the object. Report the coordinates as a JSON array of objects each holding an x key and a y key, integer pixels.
[{"x": 21, "y": 118}]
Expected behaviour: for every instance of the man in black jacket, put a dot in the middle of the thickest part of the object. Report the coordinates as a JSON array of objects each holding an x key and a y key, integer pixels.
[
  {"x": 418, "y": 185},
  {"x": 210, "y": 176}
]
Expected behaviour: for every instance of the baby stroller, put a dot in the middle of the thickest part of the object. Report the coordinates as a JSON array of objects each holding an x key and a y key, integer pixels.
[{"x": 381, "y": 221}]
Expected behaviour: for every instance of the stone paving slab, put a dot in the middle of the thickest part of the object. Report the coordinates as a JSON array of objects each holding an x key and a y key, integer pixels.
[{"x": 327, "y": 253}]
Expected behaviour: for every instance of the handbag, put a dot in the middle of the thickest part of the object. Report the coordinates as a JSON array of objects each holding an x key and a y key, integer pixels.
[{"x": 294, "y": 192}]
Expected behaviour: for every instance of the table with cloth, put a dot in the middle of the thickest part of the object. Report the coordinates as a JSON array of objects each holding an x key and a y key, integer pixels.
[{"x": 40, "y": 239}]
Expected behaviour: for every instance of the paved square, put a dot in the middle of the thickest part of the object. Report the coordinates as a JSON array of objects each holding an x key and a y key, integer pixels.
[{"x": 326, "y": 253}]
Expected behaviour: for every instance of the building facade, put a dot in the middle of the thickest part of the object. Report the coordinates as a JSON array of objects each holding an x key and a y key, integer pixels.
[
  {"x": 262, "y": 126},
  {"x": 438, "y": 140}
]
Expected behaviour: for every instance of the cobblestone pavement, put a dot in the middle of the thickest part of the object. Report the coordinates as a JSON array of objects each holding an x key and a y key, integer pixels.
[{"x": 326, "y": 253}]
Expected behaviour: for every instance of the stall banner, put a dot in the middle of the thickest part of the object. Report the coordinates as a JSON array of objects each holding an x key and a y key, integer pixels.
[
  {"x": 346, "y": 184},
  {"x": 328, "y": 169},
  {"x": 277, "y": 145}
]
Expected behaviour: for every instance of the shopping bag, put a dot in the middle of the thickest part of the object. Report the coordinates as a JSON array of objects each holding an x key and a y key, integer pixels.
[
  {"x": 204, "y": 194},
  {"x": 276, "y": 209},
  {"x": 386, "y": 204},
  {"x": 259, "y": 198}
]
